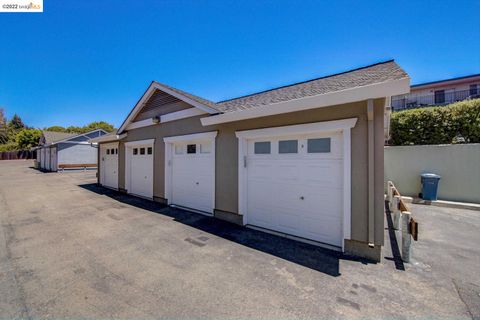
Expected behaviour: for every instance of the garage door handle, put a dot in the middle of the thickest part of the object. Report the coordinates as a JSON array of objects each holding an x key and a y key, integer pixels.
[
  {"x": 302, "y": 198},
  {"x": 197, "y": 183}
]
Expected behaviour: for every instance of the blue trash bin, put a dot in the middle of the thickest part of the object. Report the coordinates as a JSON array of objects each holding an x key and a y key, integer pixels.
[{"x": 429, "y": 185}]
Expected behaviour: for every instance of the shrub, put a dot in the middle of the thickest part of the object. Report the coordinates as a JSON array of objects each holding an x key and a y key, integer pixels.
[{"x": 455, "y": 123}]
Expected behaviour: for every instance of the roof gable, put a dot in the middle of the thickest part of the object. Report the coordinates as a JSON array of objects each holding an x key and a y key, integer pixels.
[
  {"x": 194, "y": 101},
  {"x": 160, "y": 103}
]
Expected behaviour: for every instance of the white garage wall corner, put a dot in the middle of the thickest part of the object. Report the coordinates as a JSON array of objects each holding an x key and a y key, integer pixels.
[{"x": 458, "y": 165}]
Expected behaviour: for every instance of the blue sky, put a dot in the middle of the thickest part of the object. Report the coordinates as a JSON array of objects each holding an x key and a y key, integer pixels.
[{"x": 83, "y": 61}]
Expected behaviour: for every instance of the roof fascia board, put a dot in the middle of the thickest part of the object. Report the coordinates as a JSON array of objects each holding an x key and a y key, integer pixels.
[
  {"x": 78, "y": 135},
  {"x": 373, "y": 91},
  {"x": 151, "y": 89}
]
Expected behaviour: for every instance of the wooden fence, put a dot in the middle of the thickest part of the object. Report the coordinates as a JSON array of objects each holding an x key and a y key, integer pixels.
[
  {"x": 400, "y": 212},
  {"x": 18, "y": 154}
]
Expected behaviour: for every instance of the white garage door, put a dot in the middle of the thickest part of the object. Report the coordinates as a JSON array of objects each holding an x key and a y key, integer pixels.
[
  {"x": 193, "y": 174},
  {"x": 44, "y": 151},
  {"x": 53, "y": 159},
  {"x": 140, "y": 166},
  {"x": 109, "y": 165},
  {"x": 47, "y": 159},
  {"x": 295, "y": 186}
]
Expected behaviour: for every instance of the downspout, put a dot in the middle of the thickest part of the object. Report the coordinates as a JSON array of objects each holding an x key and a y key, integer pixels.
[
  {"x": 371, "y": 174},
  {"x": 388, "y": 113}
]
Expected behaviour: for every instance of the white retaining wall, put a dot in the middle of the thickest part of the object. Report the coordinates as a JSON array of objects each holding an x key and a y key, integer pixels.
[{"x": 459, "y": 166}]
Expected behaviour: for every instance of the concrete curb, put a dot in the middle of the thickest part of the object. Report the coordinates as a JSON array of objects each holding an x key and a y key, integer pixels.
[{"x": 443, "y": 203}]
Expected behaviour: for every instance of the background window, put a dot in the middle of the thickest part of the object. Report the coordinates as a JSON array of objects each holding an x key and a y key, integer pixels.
[
  {"x": 474, "y": 89},
  {"x": 191, "y": 148},
  {"x": 142, "y": 150},
  {"x": 321, "y": 145},
  {"x": 205, "y": 147},
  {"x": 135, "y": 151},
  {"x": 288, "y": 146},
  {"x": 178, "y": 149},
  {"x": 262, "y": 147},
  {"x": 149, "y": 150}
]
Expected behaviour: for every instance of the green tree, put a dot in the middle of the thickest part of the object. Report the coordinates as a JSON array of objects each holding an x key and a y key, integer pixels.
[
  {"x": 56, "y": 129},
  {"x": 16, "y": 123},
  {"x": 3, "y": 127},
  {"x": 99, "y": 125},
  {"x": 28, "y": 138}
]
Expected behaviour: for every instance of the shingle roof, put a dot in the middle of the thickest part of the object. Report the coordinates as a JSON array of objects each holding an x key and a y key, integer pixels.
[
  {"x": 52, "y": 136},
  {"x": 376, "y": 73},
  {"x": 380, "y": 72}
]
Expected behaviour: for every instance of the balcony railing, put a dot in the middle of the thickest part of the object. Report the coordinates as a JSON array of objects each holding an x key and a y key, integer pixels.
[{"x": 434, "y": 99}]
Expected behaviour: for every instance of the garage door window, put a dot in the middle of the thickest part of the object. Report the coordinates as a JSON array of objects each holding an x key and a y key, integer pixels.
[
  {"x": 108, "y": 151},
  {"x": 288, "y": 146},
  {"x": 321, "y": 145},
  {"x": 262, "y": 147},
  {"x": 149, "y": 150},
  {"x": 142, "y": 150},
  {"x": 205, "y": 147},
  {"x": 178, "y": 149},
  {"x": 191, "y": 148},
  {"x": 135, "y": 151}
]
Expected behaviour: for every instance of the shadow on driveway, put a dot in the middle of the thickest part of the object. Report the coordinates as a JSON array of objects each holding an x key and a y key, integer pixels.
[{"x": 307, "y": 255}]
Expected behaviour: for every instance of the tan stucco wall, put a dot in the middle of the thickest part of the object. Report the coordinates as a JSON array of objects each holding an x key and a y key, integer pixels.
[
  {"x": 227, "y": 156},
  {"x": 457, "y": 164}
]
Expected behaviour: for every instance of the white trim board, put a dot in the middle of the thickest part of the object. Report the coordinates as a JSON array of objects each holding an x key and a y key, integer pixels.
[
  {"x": 108, "y": 138},
  {"x": 139, "y": 142},
  {"x": 373, "y": 91},
  {"x": 343, "y": 126},
  {"x": 169, "y": 145},
  {"x": 150, "y": 90},
  {"x": 192, "y": 137}
]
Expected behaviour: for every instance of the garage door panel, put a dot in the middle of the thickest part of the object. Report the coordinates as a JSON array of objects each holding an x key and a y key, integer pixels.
[
  {"x": 192, "y": 183},
  {"x": 140, "y": 167}
]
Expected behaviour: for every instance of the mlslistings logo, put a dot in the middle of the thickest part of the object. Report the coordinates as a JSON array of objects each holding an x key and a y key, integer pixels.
[{"x": 21, "y": 5}]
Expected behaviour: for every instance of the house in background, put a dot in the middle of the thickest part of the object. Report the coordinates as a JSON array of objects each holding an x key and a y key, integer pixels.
[
  {"x": 67, "y": 150},
  {"x": 303, "y": 160},
  {"x": 438, "y": 93}
]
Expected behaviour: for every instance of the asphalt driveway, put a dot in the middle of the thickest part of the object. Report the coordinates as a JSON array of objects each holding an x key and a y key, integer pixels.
[{"x": 70, "y": 249}]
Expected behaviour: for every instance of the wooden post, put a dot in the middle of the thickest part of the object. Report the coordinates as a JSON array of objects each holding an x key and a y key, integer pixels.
[
  {"x": 406, "y": 237},
  {"x": 396, "y": 212},
  {"x": 390, "y": 191}
]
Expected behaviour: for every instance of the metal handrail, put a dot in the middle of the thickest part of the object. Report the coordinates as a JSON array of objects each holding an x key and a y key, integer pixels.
[{"x": 413, "y": 101}]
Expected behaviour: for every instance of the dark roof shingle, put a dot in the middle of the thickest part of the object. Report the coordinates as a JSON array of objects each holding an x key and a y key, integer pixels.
[
  {"x": 381, "y": 72},
  {"x": 53, "y": 136},
  {"x": 372, "y": 74}
]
